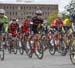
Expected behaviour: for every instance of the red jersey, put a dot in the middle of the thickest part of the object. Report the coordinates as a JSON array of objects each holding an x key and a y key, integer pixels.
[
  {"x": 13, "y": 28},
  {"x": 25, "y": 26},
  {"x": 56, "y": 22}
]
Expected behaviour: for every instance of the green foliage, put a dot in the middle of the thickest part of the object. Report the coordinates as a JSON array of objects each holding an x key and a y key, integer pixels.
[
  {"x": 51, "y": 17},
  {"x": 71, "y": 6}
]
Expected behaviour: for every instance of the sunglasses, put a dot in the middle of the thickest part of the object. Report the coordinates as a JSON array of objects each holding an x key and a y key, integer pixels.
[
  {"x": 1, "y": 13},
  {"x": 39, "y": 14}
]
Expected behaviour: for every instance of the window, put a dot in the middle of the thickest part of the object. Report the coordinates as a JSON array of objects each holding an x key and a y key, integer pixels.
[
  {"x": 24, "y": 7},
  {"x": 30, "y": 8},
  {"x": 21, "y": 7},
  {"x": 7, "y": 7},
  {"x": 10, "y": 13},
  {"x": 10, "y": 7},
  {"x": 13, "y": 7},
  {"x": 16, "y": 13},
  {"x": 7, "y": 13},
  {"x": 24, "y": 13},
  {"x": 4, "y": 7},
  {"x": 13, "y": 13}
]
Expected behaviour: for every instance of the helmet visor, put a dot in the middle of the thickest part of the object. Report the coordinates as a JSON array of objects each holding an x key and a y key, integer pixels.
[{"x": 1, "y": 13}]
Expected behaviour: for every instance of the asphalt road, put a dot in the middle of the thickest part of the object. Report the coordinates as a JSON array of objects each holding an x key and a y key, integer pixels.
[{"x": 48, "y": 61}]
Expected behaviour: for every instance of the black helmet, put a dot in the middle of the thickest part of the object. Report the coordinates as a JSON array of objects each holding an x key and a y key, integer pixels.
[
  {"x": 13, "y": 19},
  {"x": 38, "y": 12},
  {"x": 28, "y": 16}
]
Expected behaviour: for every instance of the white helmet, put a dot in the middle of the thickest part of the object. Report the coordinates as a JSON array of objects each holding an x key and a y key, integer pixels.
[
  {"x": 60, "y": 15},
  {"x": 39, "y": 12},
  {"x": 2, "y": 11}
]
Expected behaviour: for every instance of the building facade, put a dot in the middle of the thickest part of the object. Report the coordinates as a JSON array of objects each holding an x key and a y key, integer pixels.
[
  {"x": 20, "y": 11},
  {"x": 24, "y": 0}
]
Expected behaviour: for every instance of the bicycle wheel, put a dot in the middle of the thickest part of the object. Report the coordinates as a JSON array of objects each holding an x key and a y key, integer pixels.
[
  {"x": 44, "y": 43},
  {"x": 21, "y": 50},
  {"x": 51, "y": 46},
  {"x": 72, "y": 52},
  {"x": 28, "y": 48},
  {"x": 1, "y": 51},
  {"x": 62, "y": 50},
  {"x": 15, "y": 47},
  {"x": 39, "y": 51}
]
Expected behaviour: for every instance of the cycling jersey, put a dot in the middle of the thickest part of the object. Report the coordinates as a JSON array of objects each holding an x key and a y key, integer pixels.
[
  {"x": 67, "y": 22},
  {"x": 13, "y": 28},
  {"x": 4, "y": 20},
  {"x": 36, "y": 23},
  {"x": 25, "y": 26},
  {"x": 57, "y": 24}
]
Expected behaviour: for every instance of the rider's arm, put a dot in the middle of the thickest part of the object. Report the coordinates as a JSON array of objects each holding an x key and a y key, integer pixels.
[{"x": 6, "y": 23}]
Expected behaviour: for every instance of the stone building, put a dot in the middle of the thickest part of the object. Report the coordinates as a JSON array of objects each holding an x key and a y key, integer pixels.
[{"x": 21, "y": 10}]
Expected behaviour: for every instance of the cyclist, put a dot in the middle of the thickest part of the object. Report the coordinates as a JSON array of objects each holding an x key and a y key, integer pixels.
[
  {"x": 3, "y": 25},
  {"x": 37, "y": 27},
  {"x": 26, "y": 25},
  {"x": 67, "y": 24},
  {"x": 37, "y": 21},
  {"x": 45, "y": 27},
  {"x": 57, "y": 24},
  {"x": 13, "y": 27},
  {"x": 3, "y": 21}
]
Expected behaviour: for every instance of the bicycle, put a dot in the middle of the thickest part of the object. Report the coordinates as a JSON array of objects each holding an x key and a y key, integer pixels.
[
  {"x": 1, "y": 42},
  {"x": 72, "y": 49},
  {"x": 57, "y": 43},
  {"x": 12, "y": 44}
]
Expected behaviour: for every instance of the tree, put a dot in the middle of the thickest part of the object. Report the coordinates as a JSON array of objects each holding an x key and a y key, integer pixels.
[
  {"x": 71, "y": 7},
  {"x": 51, "y": 17}
]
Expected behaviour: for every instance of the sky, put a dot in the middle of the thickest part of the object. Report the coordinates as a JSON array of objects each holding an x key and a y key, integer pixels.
[{"x": 61, "y": 3}]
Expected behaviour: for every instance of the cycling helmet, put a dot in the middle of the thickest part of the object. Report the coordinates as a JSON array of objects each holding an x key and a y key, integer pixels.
[
  {"x": 28, "y": 16},
  {"x": 59, "y": 15},
  {"x": 38, "y": 12},
  {"x": 2, "y": 11},
  {"x": 13, "y": 19}
]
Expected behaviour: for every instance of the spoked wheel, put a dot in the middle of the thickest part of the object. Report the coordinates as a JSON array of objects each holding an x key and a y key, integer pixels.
[
  {"x": 1, "y": 51},
  {"x": 21, "y": 51},
  {"x": 28, "y": 49},
  {"x": 72, "y": 52},
  {"x": 44, "y": 44},
  {"x": 15, "y": 48},
  {"x": 72, "y": 57},
  {"x": 39, "y": 51},
  {"x": 51, "y": 46},
  {"x": 62, "y": 50},
  {"x": 9, "y": 48}
]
